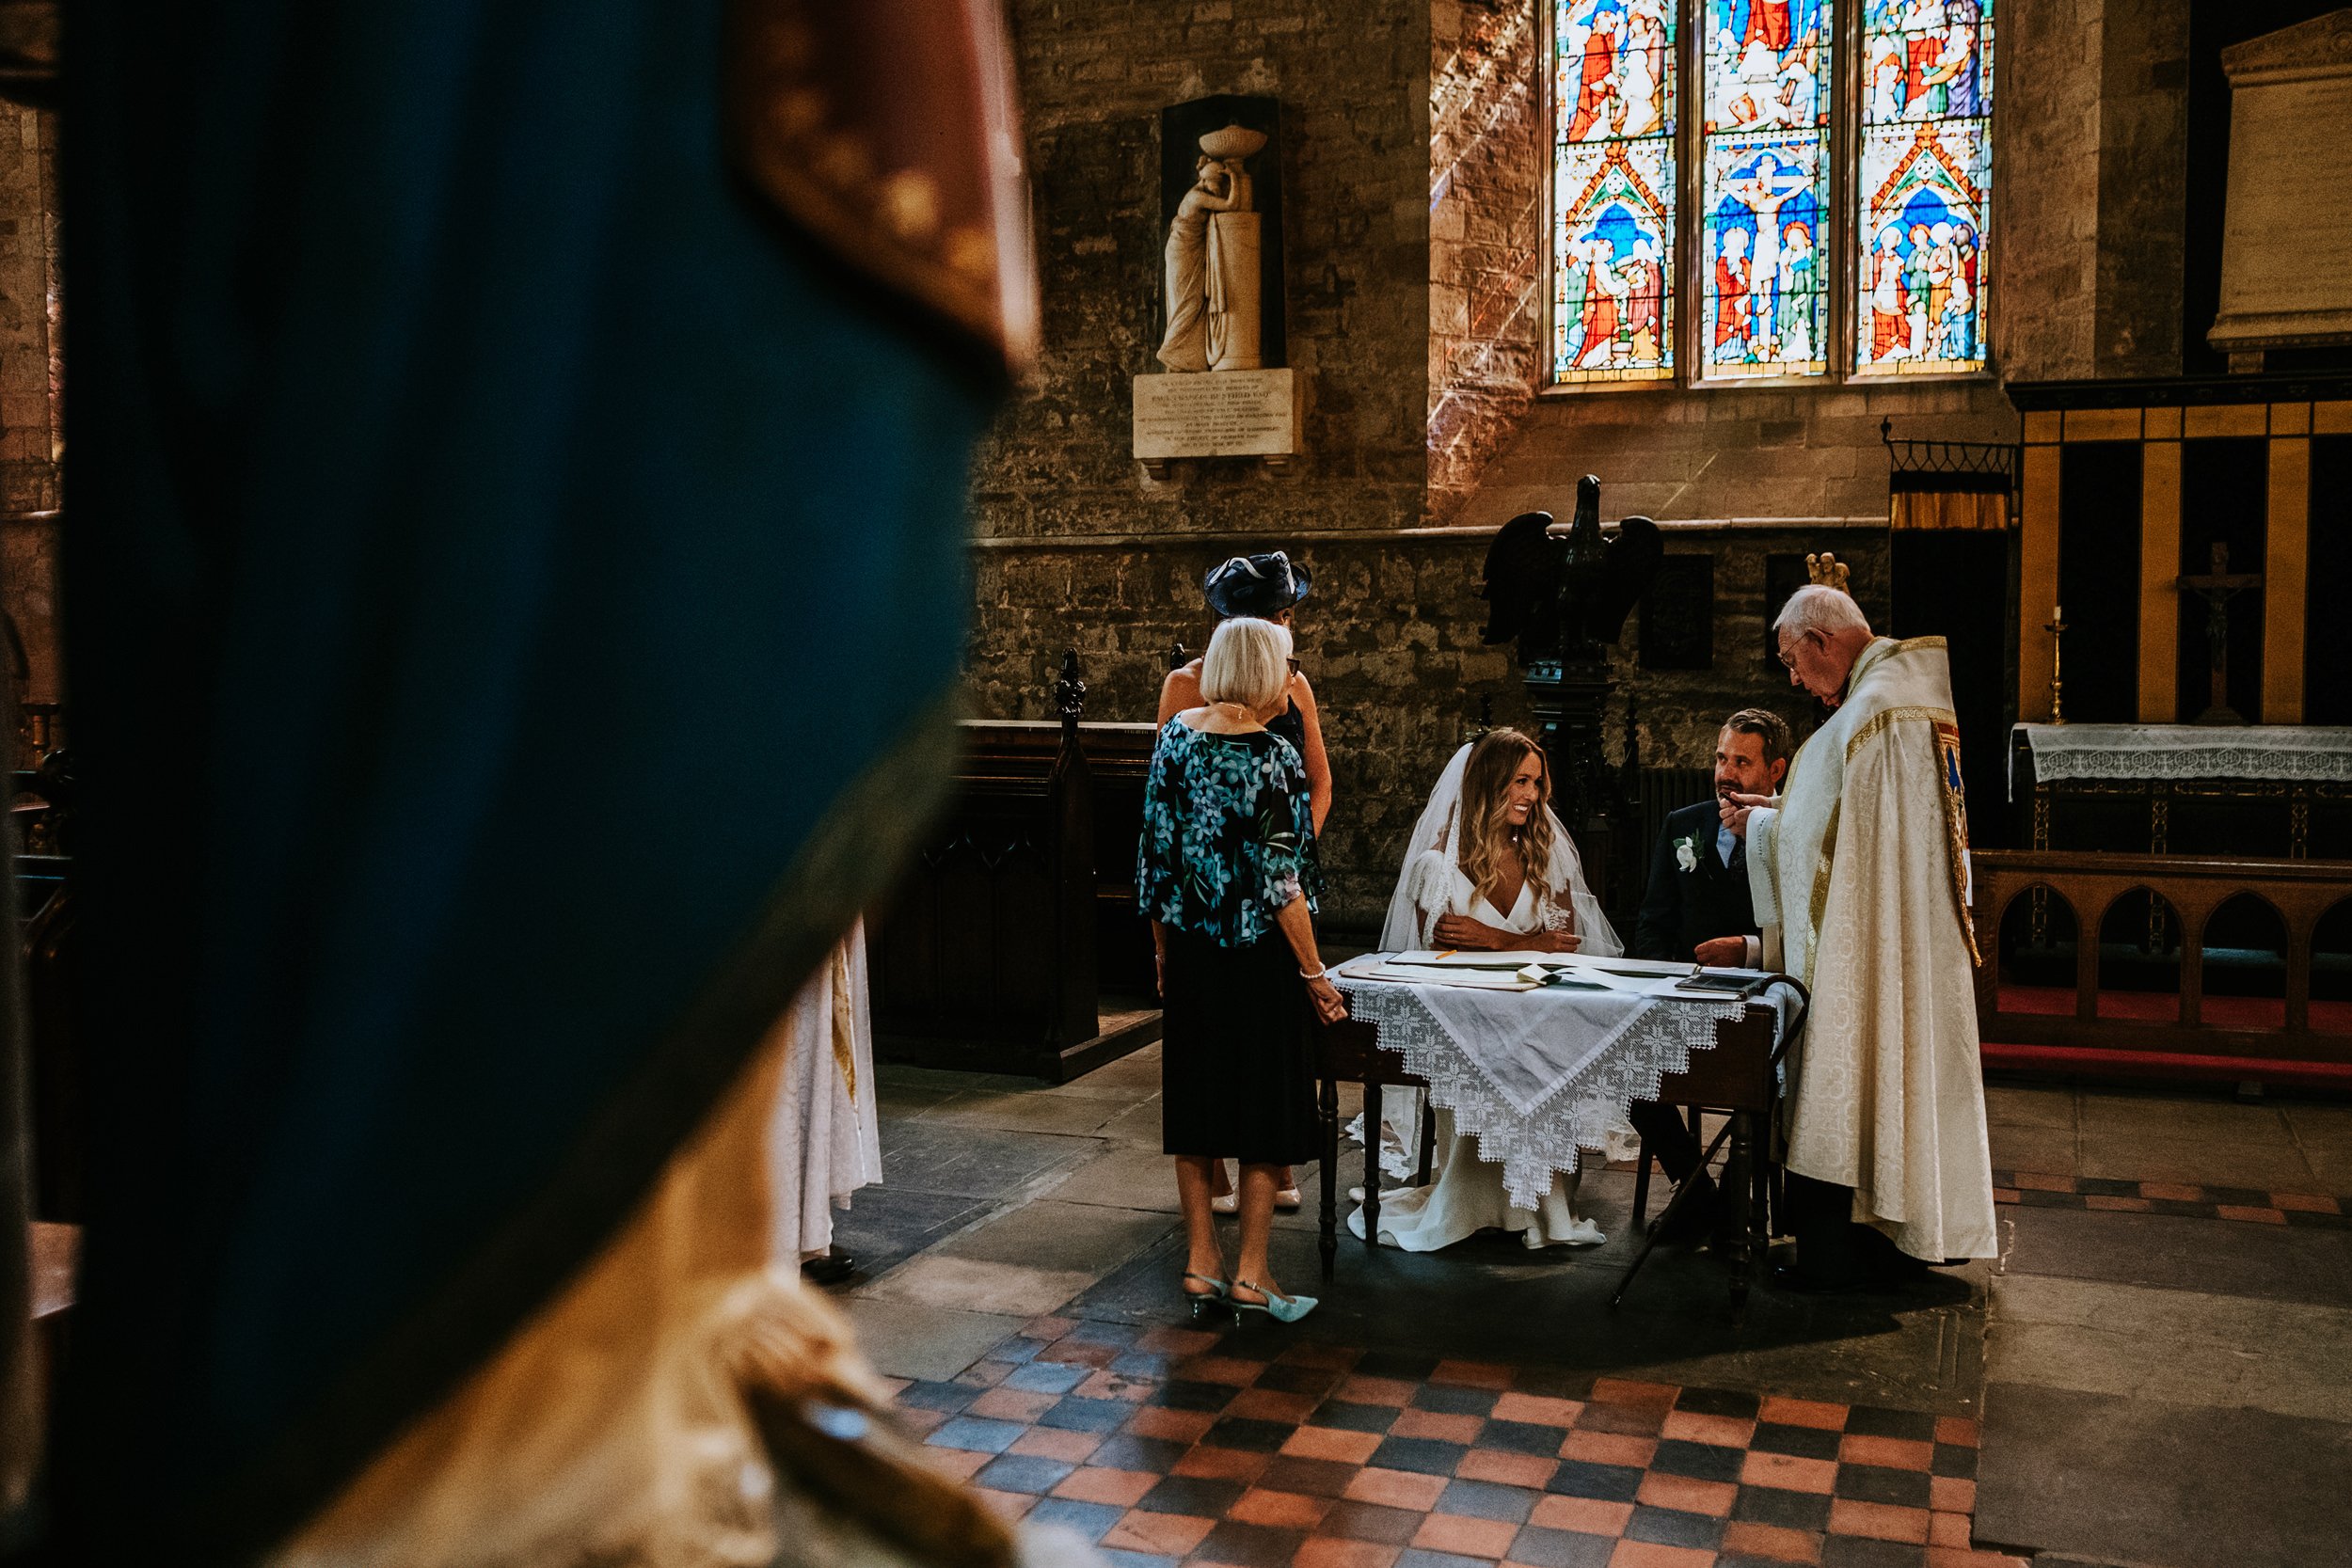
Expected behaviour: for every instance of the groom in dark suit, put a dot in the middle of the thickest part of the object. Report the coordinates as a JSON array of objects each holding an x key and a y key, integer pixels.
[{"x": 1698, "y": 910}]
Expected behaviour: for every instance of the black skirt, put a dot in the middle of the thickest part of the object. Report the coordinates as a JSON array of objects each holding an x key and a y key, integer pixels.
[{"x": 1236, "y": 1065}]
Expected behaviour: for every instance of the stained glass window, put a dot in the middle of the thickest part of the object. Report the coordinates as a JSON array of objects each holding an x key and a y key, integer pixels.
[
  {"x": 1764, "y": 184},
  {"x": 1924, "y": 170},
  {"x": 1897, "y": 129},
  {"x": 1613, "y": 275}
]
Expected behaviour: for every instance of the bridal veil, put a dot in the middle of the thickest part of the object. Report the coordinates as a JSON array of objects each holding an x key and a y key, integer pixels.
[{"x": 1438, "y": 830}]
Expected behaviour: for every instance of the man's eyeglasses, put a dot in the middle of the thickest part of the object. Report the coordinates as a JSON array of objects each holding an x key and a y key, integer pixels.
[{"x": 1786, "y": 662}]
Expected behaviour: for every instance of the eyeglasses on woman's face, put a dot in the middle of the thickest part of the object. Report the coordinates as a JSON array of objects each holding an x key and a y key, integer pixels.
[{"x": 1294, "y": 664}]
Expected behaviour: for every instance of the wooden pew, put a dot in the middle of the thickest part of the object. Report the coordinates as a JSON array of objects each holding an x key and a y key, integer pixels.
[{"x": 1012, "y": 943}]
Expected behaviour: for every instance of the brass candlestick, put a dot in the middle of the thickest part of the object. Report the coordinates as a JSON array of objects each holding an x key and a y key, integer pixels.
[{"x": 2056, "y": 627}]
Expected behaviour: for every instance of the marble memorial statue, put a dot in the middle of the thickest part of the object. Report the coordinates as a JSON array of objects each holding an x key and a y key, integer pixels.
[{"x": 1212, "y": 260}]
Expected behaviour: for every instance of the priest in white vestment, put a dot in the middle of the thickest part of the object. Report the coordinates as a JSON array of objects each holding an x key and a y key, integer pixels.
[
  {"x": 1859, "y": 872},
  {"x": 824, "y": 1140}
]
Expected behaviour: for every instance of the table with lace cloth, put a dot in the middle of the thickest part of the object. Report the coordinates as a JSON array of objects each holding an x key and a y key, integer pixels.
[
  {"x": 1535, "y": 1076},
  {"x": 2316, "y": 752},
  {"x": 2238, "y": 777}
]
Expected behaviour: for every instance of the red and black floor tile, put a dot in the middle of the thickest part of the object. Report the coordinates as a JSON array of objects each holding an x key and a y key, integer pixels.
[{"x": 1254, "y": 1450}]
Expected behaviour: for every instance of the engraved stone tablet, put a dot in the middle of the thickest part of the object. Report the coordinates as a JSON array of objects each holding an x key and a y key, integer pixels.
[
  {"x": 1221, "y": 413},
  {"x": 2286, "y": 243}
]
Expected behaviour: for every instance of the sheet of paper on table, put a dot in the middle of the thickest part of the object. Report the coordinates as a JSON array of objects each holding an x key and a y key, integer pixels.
[
  {"x": 1470, "y": 979},
  {"x": 1520, "y": 958},
  {"x": 1531, "y": 970}
]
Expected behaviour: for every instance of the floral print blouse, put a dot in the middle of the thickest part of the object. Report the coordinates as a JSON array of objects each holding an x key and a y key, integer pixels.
[{"x": 1229, "y": 833}]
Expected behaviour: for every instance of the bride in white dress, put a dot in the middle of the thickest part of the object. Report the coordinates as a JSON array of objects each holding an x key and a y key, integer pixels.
[{"x": 1490, "y": 867}]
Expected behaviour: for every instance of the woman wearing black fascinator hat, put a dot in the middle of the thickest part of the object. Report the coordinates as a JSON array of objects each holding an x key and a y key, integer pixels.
[{"x": 1265, "y": 588}]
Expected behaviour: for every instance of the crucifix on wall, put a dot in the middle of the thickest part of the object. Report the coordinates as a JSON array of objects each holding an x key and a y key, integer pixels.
[{"x": 2216, "y": 588}]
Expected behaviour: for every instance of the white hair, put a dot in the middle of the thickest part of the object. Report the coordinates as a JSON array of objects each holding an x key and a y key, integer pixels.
[
  {"x": 1248, "y": 662},
  {"x": 1818, "y": 607}
]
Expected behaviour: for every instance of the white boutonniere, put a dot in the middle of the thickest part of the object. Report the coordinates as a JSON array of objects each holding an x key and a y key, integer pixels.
[{"x": 1686, "y": 856}]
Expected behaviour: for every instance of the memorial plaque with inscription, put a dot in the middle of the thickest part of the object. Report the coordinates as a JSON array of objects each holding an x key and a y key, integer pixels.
[
  {"x": 1223, "y": 414},
  {"x": 2286, "y": 247}
]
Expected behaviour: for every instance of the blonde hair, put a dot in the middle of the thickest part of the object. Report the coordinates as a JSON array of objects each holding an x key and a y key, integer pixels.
[
  {"x": 1485, "y": 828},
  {"x": 1248, "y": 662}
]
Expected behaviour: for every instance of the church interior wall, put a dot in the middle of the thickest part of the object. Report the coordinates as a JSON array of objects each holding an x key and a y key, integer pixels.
[
  {"x": 1389, "y": 636},
  {"x": 2144, "y": 186},
  {"x": 1080, "y": 547},
  {"x": 2090, "y": 189},
  {"x": 1488, "y": 224},
  {"x": 1411, "y": 158},
  {"x": 2045, "y": 125}
]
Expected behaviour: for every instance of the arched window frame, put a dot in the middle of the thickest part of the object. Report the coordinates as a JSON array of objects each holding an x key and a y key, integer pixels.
[{"x": 1845, "y": 292}]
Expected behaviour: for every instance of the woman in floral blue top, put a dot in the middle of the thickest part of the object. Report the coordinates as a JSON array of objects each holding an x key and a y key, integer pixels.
[{"x": 1227, "y": 875}]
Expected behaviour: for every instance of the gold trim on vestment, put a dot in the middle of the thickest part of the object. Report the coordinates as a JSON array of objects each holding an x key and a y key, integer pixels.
[
  {"x": 844, "y": 1020},
  {"x": 1820, "y": 884},
  {"x": 1955, "y": 827},
  {"x": 1869, "y": 728},
  {"x": 1956, "y": 832}
]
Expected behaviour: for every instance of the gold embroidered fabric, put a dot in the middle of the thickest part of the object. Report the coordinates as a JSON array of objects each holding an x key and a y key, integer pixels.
[{"x": 887, "y": 130}]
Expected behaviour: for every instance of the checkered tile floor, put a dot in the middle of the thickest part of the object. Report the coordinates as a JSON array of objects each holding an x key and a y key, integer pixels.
[
  {"x": 1257, "y": 1449},
  {"x": 2249, "y": 1204}
]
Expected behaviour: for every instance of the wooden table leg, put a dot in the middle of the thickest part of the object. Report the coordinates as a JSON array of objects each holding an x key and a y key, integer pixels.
[
  {"x": 1371, "y": 1164},
  {"x": 1327, "y": 1232}
]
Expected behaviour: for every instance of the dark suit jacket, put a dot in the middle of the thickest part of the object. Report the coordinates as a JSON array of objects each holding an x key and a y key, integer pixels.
[{"x": 1683, "y": 909}]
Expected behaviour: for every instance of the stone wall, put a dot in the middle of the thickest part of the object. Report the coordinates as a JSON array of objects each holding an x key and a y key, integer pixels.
[
  {"x": 1079, "y": 547},
  {"x": 1389, "y": 636},
  {"x": 2046, "y": 127},
  {"x": 2144, "y": 186},
  {"x": 1677, "y": 712},
  {"x": 2090, "y": 123},
  {"x": 1390, "y": 639},
  {"x": 1807, "y": 455},
  {"x": 1486, "y": 229}
]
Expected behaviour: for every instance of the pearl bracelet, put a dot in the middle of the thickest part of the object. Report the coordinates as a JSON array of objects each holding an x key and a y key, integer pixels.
[{"x": 1318, "y": 974}]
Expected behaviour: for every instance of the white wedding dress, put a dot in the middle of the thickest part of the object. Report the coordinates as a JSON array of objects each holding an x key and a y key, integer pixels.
[{"x": 1467, "y": 1195}]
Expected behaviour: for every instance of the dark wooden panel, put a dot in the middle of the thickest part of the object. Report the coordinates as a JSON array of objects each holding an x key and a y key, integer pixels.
[
  {"x": 991, "y": 954},
  {"x": 2225, "y": 499},
  {"x": 1678, "y": 615},
  {"x": 2327, "y": 627},
  {"x": 2099, "y": 526}
]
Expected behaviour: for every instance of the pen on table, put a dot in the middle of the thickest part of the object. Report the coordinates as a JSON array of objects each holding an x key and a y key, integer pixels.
[{"x": 1448, "y": 953}]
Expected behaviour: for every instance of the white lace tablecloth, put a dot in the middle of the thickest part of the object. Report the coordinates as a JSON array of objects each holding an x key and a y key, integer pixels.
[
  {"x": 1536, "y": 1075},
  {"x": 2306, "y": 752}
]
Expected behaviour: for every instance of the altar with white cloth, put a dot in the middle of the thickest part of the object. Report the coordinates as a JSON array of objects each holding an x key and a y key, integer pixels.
[
  {"x": 2240, "y": 784},
  {"x": 1538, "y": 1054}
]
